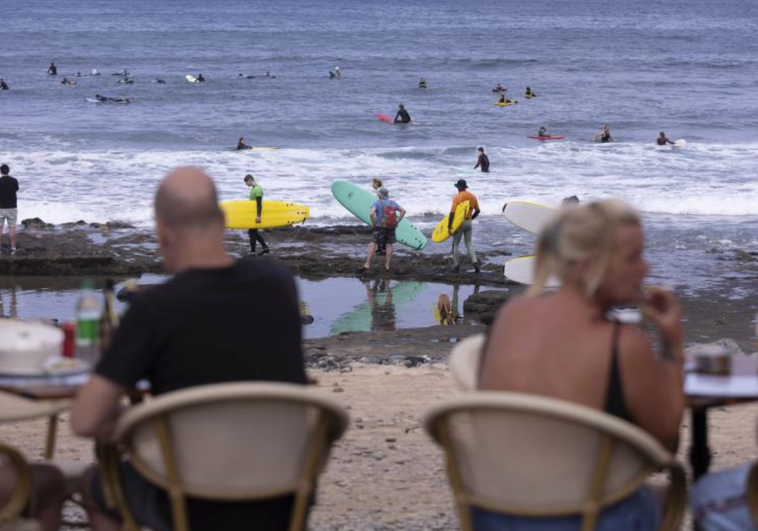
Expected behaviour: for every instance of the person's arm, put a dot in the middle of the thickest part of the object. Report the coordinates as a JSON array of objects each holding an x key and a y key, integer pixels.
[
  {"x": 478, "y": 162},
  {"x": 258, "y": 209},
  {"x": 96, "y": 407},
  {"x": 476, "y": 212},
  {"x": 402, "y": 214},
  {"x": 397, "y": 117},
  {"x": 372, "y": 215},
  {"x": 654, "y": 385},
  {"x": 451, "y": 216}
]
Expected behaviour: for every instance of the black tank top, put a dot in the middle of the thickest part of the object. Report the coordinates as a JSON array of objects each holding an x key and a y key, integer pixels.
[{"x": 614, "y": 397}]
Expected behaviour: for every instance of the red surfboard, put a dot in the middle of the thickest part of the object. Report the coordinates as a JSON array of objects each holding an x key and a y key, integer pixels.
[
  {"x": 385, "y": 118},
  {"x": 547, "y": 137}
]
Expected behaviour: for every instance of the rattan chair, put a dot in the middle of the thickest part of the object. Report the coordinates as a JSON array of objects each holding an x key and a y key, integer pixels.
[
  {"x": 465, "y": 360},
  {"x": 526, "y": 455},
  {"x": 11, "y": 518},
  {"x": 234, "y": 441}
]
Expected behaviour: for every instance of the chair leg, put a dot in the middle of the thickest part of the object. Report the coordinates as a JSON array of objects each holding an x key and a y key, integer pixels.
[{"x": 752, "y": 493}]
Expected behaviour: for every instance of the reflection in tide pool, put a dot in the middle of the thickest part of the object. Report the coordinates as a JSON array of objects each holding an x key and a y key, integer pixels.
[{"x": 338, "y": 305}]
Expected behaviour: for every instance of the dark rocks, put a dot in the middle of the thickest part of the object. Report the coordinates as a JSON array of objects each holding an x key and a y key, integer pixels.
[
  {"x": 36, "y": 223},
  {"x": 75, "y": 224},
  {"x": 483, "y": 306}
]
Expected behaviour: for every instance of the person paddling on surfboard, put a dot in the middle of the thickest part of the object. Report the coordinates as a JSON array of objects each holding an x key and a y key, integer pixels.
[
  {"x": 422, "y": 84},
  {"x": 529, "y": 93},
  {"x": 604, "y": 135},
  {"x": 466, "y": 229},
  {"x": 241, "y": 144},
  {"x": 483, "y": 161},
  {"x": 385, "y": 216},
  {"x": 662, "y": 140},
  {"x": 402, "y": 116},
  {"x": 542, "y": 131},
  {"x": 499, "y": 88},
  {"x": 256, "y": 194}
]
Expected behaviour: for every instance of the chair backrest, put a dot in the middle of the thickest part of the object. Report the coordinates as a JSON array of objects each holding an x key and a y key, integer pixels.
[
  {"x": 232, "y": 441},
  {"x": 465, "y": 361},
  {"x": 10, "y": 515},
  {"x": 534, "y": 456}
]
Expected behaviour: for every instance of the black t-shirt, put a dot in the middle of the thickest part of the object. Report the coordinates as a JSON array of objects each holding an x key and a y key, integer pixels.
[
  {"x": 240, "y": 323},
  {"x": 8, "y": 189}
]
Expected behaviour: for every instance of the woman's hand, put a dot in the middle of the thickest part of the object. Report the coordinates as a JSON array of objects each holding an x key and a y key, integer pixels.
[{"x": 663, "y": 309}]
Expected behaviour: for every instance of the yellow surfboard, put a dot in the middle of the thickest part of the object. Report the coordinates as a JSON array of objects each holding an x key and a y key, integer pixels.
[
  {"x": 441, "y": 233},
  {"x": 241, "y": 214}
]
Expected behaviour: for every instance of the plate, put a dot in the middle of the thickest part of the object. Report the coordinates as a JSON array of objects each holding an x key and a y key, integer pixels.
[{"x": 55, "y": 366}]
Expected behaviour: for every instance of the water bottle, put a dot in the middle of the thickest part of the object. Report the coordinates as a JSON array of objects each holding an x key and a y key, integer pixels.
[{"x": 88, "y": 311}]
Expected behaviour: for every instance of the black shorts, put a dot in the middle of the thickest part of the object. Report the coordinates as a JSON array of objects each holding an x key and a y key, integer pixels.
[{"x": 384, "y": 236}]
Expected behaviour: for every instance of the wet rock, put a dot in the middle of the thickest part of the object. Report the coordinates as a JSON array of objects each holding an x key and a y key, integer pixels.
[
  {"x": 115, "y": 225},
  {"x": 36, "y": 223},
  {"x": 415, "y": 361},
  {"x": 75, "y": 224},
  {"x": 483, "y": 306}
]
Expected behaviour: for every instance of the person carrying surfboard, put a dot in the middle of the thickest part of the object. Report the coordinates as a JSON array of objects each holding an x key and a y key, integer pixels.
[
  {"x": 662, "y": 140},
  {"x": 256, "y": 194},
  {"x": 385, "y": 216},
  {"x": 376, "y": 185},
  {"x": 483, "y": 161},
  {"x": 466, "y": 229},
  {"x": 402, "y": 116}
]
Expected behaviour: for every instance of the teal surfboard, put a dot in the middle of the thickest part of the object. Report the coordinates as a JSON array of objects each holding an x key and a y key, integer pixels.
[{"x": 358, "y": 202}]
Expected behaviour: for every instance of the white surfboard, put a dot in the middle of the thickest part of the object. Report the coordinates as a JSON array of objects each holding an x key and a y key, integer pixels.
[
  {"x": 528, "y": 215},
  {"x": 191, "y": 79},
  {"x": 679, "y": 143},
  {"x": 521, "y": 270}
]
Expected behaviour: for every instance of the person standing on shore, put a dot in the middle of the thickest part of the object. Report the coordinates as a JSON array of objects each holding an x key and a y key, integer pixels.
[
  {"x": 377, "y": 185},
  {"x": 466, "y": 229},
  {"x": 8, "y": 205},
  {"x": 483, "y": 161},
  {"x": 256, "y": 194},
  {"x": 384, "y": 218}
]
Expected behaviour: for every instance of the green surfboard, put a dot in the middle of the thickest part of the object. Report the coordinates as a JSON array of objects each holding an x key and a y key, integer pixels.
[{"x": 358, "y": 202}]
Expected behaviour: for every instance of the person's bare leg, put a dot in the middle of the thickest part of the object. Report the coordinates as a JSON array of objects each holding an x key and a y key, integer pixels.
[
  {"x": 371, "y": 251},
  {"x": 99, "y": 521},
  {"x": 389, "y": 257},
  {"x": 50, "y": 493},
  {"x": 2, "y": 226},
  {"x": 12, "y": 232}
]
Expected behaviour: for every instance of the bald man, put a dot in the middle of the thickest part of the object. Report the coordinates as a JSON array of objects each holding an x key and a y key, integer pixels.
[{"x": 198, "y": 328}]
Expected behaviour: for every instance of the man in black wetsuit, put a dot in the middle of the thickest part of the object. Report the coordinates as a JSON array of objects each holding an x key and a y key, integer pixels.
[
  {"x": 662, "y": 140},
  {"x": 200, "y": 78},
  {"x": 402, "y": 116},
  {"x": 3, "y": 85},
  {"x": 241, "y": 144},
  {"x": 483, "y": 161},
  {"x": 52, "y": 70}
]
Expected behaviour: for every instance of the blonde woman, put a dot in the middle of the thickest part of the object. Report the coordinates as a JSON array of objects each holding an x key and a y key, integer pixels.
[{"x": 562, "y": 345}]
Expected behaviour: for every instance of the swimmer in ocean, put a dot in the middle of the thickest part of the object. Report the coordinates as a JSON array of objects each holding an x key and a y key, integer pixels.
[
  {"x": 529, "y": 93},
  {"x": 422, "y": 84},
  {"x": 3, "y": 85},
  {"x": 662, "y": 140},
  {"x": 241, "y": 144},
  {"x": 604, "y": 135},
  {"x": 200, "y": 78},
  {"x": 52, "y": 70}
]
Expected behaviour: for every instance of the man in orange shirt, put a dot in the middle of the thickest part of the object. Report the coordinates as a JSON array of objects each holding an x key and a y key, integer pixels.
[{"x": 466, "y": 228}]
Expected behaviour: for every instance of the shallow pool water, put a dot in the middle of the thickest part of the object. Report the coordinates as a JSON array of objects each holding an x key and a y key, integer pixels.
[{"x": 338, "y": 305}]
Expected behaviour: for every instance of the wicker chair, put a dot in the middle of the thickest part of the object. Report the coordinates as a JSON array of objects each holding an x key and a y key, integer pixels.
[
  {"x": 11, "y": 518},
  {"x": 526, "y": 455},
  {"x": 234, "y": 441}
]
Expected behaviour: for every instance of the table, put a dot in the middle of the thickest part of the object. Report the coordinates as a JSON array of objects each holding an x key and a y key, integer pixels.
[{"x": 705, "y": 391}]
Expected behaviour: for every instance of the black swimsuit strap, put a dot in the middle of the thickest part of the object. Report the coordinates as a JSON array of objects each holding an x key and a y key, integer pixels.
[{"x": 615, "y": 404}]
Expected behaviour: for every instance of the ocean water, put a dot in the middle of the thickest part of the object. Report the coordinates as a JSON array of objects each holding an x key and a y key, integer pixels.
[{"x": 687, "y": 67}]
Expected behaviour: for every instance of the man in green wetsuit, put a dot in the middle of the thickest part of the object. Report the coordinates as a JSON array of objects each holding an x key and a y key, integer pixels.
[{"x": 256, "y": 194}]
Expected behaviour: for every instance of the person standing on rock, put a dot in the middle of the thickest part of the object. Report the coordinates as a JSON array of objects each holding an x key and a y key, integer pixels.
[
  {"x": 256, "y": 194},
  {"x": 466, "y": 229},
  {"x": 385, "y": 216},
  {"x": 8, "y": 205},
  {"x": 376, "y": 185}
]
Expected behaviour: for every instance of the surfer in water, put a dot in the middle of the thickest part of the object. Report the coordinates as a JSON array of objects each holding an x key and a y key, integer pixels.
[
  {"x": 52, "y": 70},
  {"x": 604, "y": 135},
  {"x": 66, "y": 81},
  {"x": 542, "y": 131},
  {"x": 107, "y": 99},
  {"x": 241, "y": 144},
  {"x": 3, "y": 85},
  {"x": 483, "y": 161},
  {"x": 662, "y": 140},
  {"x": 529, "y": 93},
  {"x": 402, "y": 116},
  {"x": 200, "y": 78},
  {"x": 422, "y": 84},
  {"x": 256, "y": 194},
  {"x": 499, "y": 88}
]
